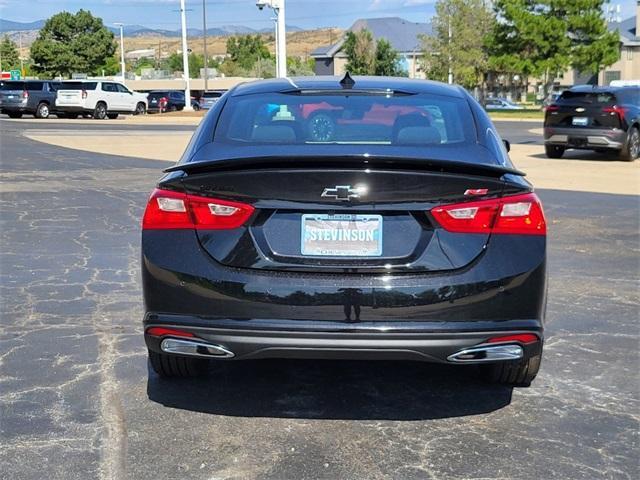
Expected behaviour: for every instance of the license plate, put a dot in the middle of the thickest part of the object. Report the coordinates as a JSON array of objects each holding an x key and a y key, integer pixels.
[
  {"x": 580, "y": 121},
  {"x": 9, "y": 97},
  {"x": 341, "y": 235},
  {"x": 154, "y": 101}
]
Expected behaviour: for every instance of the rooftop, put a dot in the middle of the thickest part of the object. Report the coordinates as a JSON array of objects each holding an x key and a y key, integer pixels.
[{"x": 402, "y": 34}]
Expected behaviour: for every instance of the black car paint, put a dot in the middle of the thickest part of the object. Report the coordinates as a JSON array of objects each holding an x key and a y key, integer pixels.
[{"x": 261, "y": 309}]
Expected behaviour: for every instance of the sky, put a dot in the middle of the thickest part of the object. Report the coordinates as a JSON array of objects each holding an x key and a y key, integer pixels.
[
  {"x": 165, "y": 13},
  {"x": 301, "y": 13}
]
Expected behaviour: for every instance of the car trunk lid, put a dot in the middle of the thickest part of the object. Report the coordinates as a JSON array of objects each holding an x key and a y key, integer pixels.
[
  {"x": 584, "y": 110},
  {"x": 312, "y": 217}
]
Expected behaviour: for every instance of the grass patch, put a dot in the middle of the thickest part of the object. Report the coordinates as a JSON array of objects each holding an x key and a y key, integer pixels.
[{"x": 529, "y": 114}]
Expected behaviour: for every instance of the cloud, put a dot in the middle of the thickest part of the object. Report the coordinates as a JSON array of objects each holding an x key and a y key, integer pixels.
[{"x": 413, "y": 3}]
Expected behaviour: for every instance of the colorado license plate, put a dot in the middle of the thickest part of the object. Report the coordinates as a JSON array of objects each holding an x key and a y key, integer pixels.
[
  {"x": 580, "y": 121},
  {"x": 341, "y": 235}
]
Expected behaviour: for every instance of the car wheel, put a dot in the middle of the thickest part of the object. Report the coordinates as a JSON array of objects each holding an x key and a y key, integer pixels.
[
  {"x": 14, "y": 115},
  {"x": 174, "y": 366},
  {"x": 112, "y": 116},
  {"x": 631, "y": 150},
  {"x": 196, "y": 107},
  {"x": 321, "y": 127},
  {"x": 100, "y": 112},
  {"x": 517, "y": 374},
  {"x": 42, "y": 111},
  {"x": 554, "y": 151},
  {"x": 140, "y": 109}
]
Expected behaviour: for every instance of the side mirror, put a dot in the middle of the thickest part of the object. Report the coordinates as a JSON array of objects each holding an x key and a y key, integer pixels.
[{"x": 507, "y": 145}]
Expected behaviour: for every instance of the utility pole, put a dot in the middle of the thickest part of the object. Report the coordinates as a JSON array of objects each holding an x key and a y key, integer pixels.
[
  {"x": 185, "y": 58},
  {"x": 281, "y": 35},
  {"x": 204, "y": 41},
  {"x": 121, "y": 25},
  {"x": 20, "y": 54},
  {"x": 450, "y": 76}
]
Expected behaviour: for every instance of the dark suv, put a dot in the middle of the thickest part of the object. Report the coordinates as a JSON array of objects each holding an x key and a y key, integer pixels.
[
  {"x": 594, "y": 118},
  {"x": 36, "y": 97}
]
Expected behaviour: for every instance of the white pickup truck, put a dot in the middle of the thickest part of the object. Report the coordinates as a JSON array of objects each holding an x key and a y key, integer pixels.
[{"x": 101, "y": 99}]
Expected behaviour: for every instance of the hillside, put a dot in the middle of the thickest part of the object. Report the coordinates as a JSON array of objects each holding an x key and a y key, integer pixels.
[
  {"x": 137, "y": 37},
  {"x": 300, "y": 43}
]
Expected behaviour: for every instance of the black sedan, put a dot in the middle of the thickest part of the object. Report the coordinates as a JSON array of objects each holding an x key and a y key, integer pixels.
[{"x": 327, "y": 218}]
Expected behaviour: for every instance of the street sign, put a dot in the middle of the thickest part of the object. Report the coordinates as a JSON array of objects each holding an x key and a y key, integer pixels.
[{"x": 15, "y": 74}]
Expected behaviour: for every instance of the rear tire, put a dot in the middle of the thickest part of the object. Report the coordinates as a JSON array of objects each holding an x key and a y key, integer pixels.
[
  {"x": 140, "y": 109},
  {"x": 42, "y": 111},
  {"x": 172, "y": 366},
  {"x": 100, "y": 112},
  {"x": 554, "y": 151},
  {"x": 14, "y": 115},
  {"x": 516, "y": 374},
  {"x": 631, "y": 149}
]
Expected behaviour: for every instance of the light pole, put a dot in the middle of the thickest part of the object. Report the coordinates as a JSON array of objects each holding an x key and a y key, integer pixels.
[
  {"x": 281, "y": 36},
  {"x": 185, "y": 58},
  {"x": 204, "y": 39},
  {"x": 121, "y": 25}
]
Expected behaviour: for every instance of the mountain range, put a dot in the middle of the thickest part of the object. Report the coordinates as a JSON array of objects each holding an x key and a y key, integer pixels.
[{"x": 7, "y": 26}]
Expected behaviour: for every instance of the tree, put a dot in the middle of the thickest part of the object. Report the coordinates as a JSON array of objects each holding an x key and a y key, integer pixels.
[
  {"x": 387, "y": 61},
  {"x": 531, "y": 38},
  {"x": 245, "y": 50},
  {"x": 72, "y": 43},
  {"x": 593, "y": 45},
  {"x": 458, "y": 43},
  {"x": 9, "y": 56},
  {"x": 360, "y": 51},
  {"x": 544, "y": 37},
  {"x": 196, "y": 62}
]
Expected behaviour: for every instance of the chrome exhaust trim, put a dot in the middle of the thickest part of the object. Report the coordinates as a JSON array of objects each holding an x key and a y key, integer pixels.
[
  {"x": 487, "y": 353},
  {"x": 193, "y": 348}
]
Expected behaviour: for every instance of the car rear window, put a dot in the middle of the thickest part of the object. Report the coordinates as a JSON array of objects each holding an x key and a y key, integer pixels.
[
  {"x": 78, "y": 86},
  {"x": 344, "y": 118},
  {"x": 212, "y": 94},
  {"x": 587, "y": 98},
  {"x": 34, "y": 86},
  {"x": 12, "y": 86}
]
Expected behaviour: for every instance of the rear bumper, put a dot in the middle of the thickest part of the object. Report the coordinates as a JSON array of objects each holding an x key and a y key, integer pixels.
[
  {"x": 584, "y": 138},
  {"x": 420, "y": 341},
  {"x": 20, "y": 108},
  {"x": 264, "y": 314},
  {"x": 72, "y": 109}
]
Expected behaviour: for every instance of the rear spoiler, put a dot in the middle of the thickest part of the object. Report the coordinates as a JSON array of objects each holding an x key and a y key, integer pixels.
[{"x": 346, "y": 161}]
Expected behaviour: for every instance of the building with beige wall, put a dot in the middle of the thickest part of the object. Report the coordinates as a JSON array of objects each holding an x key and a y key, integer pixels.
[{"x": 628, "y": 65}]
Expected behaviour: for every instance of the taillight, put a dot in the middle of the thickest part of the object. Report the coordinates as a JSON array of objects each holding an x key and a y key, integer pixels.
[
  {"x": 176, "y": 210},
  {"x": 25, "y": 94},
  {"x": 516, "y": 215},
  {"x": 84, "y": 94},
  {"x": 524, "y": 338},
  {"x": 552, "y": 108},
  {"x": 616, "y": 109},
  {"x": 164, "y": 332}
]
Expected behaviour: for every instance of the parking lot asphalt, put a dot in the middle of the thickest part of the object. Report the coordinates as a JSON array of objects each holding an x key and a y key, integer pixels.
[{"x": 78, "y": 400}]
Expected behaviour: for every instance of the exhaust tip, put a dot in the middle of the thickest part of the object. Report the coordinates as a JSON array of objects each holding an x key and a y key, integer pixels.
[
  {"x": 487, "y": 353},
  {"x": 193, "y": 348}
]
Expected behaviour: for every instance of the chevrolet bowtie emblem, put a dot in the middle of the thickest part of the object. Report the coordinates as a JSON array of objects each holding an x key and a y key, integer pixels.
[{"x": 344, "y": 192}]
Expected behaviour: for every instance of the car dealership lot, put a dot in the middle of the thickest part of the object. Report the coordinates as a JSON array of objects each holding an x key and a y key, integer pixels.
[{"x": 78, "y": 400}]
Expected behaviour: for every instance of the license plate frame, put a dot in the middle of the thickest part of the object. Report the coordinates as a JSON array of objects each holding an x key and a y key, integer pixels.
[
  {"x": 580, "y": 121},
  {"x": 365, "y": 242}
]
